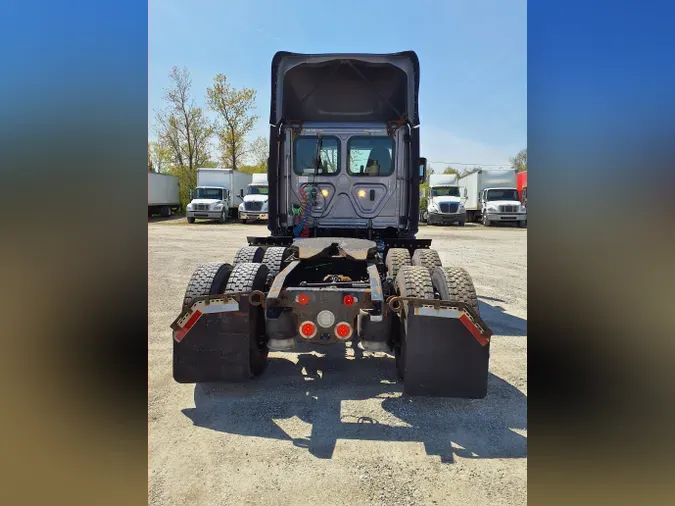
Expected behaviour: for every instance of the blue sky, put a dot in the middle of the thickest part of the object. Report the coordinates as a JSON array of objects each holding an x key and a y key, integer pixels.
[{"x": 473, "y": 58}]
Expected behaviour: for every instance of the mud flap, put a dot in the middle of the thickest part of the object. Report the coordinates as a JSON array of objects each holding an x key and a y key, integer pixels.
[
  {"x": 212, "y": 346},
  {"x": 447, "y": 354}
]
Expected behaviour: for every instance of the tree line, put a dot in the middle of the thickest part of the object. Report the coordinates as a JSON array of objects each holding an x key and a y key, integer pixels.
[{"x": 185, "y": 133}]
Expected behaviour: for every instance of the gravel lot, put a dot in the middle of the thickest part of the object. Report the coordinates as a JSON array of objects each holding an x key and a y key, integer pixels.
[{"x": 326, "y": 426}]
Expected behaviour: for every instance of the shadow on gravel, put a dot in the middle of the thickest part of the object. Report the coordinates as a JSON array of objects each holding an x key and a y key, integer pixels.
[
  {"x": 314, "y": 390},
  {"x": 501, "y": 323}
]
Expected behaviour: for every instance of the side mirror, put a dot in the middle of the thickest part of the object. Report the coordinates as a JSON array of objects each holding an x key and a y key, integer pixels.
[
  {"x": 241, "y": 193},
  {"x": 190, "y": 193},
  {"x": 423, "y": 170}
]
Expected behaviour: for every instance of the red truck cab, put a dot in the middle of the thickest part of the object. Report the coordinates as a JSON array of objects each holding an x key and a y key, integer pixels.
[{"x": 521, "y": 184}]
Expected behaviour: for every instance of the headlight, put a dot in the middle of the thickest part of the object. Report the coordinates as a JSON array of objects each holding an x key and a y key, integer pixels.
[
  {"x": 523, "y": 209},
  {"x": 491, "y": 209},
  {"x": 241, "y": 206},
  {"x": 217, "y": 207},
  {"x": 461, "y": 207},
  {"x": 264, "y": 207},
  {"x": 189, "y": 207},
  {"x": 433, "y": 205}
]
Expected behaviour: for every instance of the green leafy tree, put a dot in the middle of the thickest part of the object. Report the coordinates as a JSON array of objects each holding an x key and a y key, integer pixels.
[
  {"x": 450, "y": 170},
  {"x": 184, "y": 131},
  {"x": 234, "y": 108},
  {"x": 519, "y": 162},
  {"x": 258, "y": 153}
]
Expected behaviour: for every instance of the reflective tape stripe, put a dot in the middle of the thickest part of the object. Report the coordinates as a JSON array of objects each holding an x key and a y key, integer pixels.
[
  {"x": 180, "y": 334},
  {"x": 471, "y": 327},
  {"x": 219, "y": 308}
]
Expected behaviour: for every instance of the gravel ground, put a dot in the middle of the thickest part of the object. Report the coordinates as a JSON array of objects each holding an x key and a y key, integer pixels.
[{"x": 329, "y": 426}]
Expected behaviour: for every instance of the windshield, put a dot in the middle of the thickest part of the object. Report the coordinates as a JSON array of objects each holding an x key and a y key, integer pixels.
[
  {"x": 257, "y": 190},
  {"x": 505, "y": 194},
  {"x": 445, "y": 191},
  {"x": 208, "y": 193},
  {"x": 371, "y": 156},
  {"x": 304, "y": 155}
]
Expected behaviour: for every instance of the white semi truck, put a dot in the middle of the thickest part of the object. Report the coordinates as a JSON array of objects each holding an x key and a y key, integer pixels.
[
  {"x": 254, "y": 206},
  {"x": 163, "y": 197},
  {"x": 216, "y": 194},
  {"x": 445, "y": 204},
  {"x": 492, "y": 196}
]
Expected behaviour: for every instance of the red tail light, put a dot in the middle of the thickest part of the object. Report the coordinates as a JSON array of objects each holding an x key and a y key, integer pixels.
[
  {"x": 302, "y": 299},
  {"x": 307, "y": 330},
  {"x": 343, "y": 331},
  {"x": 348, "y": 300}
]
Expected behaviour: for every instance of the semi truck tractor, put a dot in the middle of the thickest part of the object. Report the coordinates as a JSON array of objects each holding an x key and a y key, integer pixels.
[
  {"x": 217, "y": 194},
  {"x": 492, "y": 197},
  {"x": 254, "y": 206},
  {"x": 163, "y": 197},
  {"x": 341, "y": 262},
  {"x": 445, "y": 204}
]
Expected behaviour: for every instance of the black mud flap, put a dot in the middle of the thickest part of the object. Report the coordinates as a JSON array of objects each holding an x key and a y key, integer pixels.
[
  {"x": 212, "y": 346},
  {"x": 447, "y": 352}
]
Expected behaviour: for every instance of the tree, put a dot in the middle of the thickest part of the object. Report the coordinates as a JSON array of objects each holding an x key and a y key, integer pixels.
[
  {"x": 234, "y": 109},
  {"x": 259, "y": 152},
  {"x": 466, "y": 172},
  {"x": 184, "y": 130},
  {"x": 519, "y": 162},
  {"x": 450, "y": 170},
  {"x": 150, "y": 168},
  {"x": 160, "y": 156}
]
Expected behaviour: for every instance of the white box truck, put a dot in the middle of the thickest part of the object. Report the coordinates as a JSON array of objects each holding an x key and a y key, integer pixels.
[
  {"x": 254, "y": 206},
  {"x": 216, "y": 194},
  {"x": 492, "y": 196},
  {"x": 163, "y": 197},
  {"x": 445, "y": 203}
]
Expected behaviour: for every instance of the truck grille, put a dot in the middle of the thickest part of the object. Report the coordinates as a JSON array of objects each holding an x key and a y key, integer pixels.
[
  {"x": 448, "y": 208},
  {"x": 508, "y": 209},
  {"x": 201, "y": 207},
  {"x": 253, "y": 206}
]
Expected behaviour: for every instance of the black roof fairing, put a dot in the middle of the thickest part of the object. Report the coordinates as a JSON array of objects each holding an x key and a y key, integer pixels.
[{"x": 349, "y": 87}]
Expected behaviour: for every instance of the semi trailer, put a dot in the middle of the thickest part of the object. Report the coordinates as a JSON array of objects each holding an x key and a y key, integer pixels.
[
  {"x": 341, "y": 262},
  {"x": 254, "y": 206},
  {"x": 163, "y": 197},
  {"x": 217, "y": 194}
]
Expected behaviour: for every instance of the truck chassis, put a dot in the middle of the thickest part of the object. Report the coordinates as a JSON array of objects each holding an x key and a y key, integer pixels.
[{"x": 330, "y": 290}]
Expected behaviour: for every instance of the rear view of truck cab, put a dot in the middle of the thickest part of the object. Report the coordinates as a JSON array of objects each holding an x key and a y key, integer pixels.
[{"x": 342, "y": 263}]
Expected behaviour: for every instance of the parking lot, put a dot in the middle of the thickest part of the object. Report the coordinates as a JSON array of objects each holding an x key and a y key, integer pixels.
[{"x": 328, "y": 425}]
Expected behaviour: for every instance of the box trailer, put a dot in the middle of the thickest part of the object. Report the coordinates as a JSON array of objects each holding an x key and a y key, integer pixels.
[
  {"x": 491, "y": 196},
  {"x": 342, "y": 262},
  {"x": 163, "y": 196},
  {"x": 522, "y": 187},
  {"x": 217, "y": 194}
]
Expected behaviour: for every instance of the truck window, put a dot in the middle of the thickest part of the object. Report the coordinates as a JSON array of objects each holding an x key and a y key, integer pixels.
[
  {"x": 371, "y": 156},
  {"x": 208, "y": 193},
  {"x": 258, "y": 190},
  {"x": 505, "y": 194},
  {"x": 448, "y": 191},
  {"x": 304, "y": 155}
]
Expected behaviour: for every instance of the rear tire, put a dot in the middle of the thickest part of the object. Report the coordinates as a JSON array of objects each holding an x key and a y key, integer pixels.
[
  {"x": 246, "y": 277},
  {"x": 411, "y": 281},
  {"x": 522, "y": 224},
  {"x": 188, "y": 366},
  {"x": 275, "y": 260},
  {"x": 190, "y": 219},
  {"x": 427, "y": 258},
  {"x": 455, "y": 284},
  {"x": 223, "y": 217},
  {"x": 396, "y": 258},
  {"x": 249, "y": 254}
]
